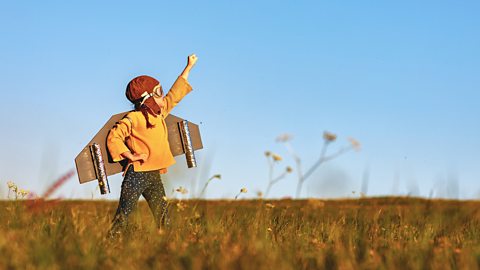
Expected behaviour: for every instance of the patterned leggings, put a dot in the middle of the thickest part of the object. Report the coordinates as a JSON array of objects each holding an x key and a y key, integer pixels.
[{"x": 148, "y": 184}]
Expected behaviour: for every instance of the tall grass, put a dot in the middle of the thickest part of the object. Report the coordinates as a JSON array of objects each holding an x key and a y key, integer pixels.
[{"x": 370, "y": 233}]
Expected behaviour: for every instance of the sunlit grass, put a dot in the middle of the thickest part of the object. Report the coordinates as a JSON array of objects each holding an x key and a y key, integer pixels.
[{"x": 379, "y": 233}]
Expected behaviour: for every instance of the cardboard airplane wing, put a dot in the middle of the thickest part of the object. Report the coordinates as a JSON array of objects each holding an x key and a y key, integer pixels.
[{"x": 183, "y": 137}]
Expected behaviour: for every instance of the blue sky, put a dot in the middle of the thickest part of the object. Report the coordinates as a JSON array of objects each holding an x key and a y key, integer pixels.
[{"x": 402, "y": 78}]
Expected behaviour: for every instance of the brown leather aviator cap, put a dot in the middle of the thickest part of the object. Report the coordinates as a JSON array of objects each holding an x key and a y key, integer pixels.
[{"x": 139, "y": 91}]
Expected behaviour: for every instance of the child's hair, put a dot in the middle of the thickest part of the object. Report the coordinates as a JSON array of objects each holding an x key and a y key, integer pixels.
[
  {"x": 139, "y": 91},
  {"x": 144, "y": 109}
]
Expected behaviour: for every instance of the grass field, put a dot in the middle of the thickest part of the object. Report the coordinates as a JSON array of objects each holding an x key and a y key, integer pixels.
[{"x": 370, "y": 233}]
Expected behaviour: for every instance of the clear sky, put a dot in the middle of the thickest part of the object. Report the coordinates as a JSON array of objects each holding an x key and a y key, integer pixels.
[{"x": 401, "y": 77}]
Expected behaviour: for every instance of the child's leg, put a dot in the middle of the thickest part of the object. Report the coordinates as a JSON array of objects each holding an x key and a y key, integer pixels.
[
  {"x": 132, "y": 186},
  {"x": 154, "y": 196}
]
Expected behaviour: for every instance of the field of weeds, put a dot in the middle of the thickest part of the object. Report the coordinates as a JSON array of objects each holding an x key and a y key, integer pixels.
[{"x": 369, "y": 233}]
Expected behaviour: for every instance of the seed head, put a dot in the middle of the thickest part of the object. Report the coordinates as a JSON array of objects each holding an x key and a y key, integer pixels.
[
  {"x": 284, "y": 137},
  {"x": 269, "y": 205},
  {"x": 11, "y": 185},
  {"x": 355, "y": 144},
  {"x": 276, "y": 157},
  {"x": 218, "y": 176},
  {"x": 289, "y": 169},
  {"x": 268, "y": 153},
  {"x": 329, "y": 137},
  {"x": 181, "y": 206},
  {"x": 182, "y": 190},
  {"x": 22, "y": 192}
]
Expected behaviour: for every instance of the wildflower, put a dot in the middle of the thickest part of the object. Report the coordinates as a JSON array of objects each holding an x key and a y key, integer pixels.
[
  {"x": 268, "y": 153},
  {"x": 315, "y": 204},
  {"x": 181, "y": 206},
  {"x": 284, "y": 137},
  {"x": 269, "y": 205},
  {"x": 218, "y": 176},
  {"x": 289, "y": 169},
  {"x": 269, "y": 229},
  {"x": 23, "y": 192},
  {"x": 276, "y": 157},
  {"x": 11, "y": 185},
  {"x": 354, "y": 143},
  {"x": 182, "y": 190},
  {"x": 243, "y": 190},
  {"x": 329, "y": 137},
  {"x": 165, "y": 198}
]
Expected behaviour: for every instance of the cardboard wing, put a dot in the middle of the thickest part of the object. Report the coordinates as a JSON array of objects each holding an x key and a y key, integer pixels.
[{"x": 85, "y": 161}]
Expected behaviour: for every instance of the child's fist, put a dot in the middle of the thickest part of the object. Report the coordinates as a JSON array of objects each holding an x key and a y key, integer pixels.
[{"x": 192, "y": 59}]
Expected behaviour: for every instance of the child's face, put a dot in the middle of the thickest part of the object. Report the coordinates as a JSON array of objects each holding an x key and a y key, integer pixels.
[{"x": 158, "y": 95}]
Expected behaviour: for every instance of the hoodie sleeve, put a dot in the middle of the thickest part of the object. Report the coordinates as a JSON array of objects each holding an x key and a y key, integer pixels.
[
  {"x": 180, "y": 89},
  {"x": 116, "y": 138}
]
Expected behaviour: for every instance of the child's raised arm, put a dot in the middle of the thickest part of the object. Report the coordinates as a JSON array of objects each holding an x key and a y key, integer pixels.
[
  {"x": 180, "y": 88},
  {"x": 192, "y": 59}
]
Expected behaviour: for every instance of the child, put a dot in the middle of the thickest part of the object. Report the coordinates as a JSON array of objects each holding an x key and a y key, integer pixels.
[{"x": 141, "y": 137}]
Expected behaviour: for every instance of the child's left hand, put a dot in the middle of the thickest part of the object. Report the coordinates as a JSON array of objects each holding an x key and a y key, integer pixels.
[{"x": 139, "y": 157}]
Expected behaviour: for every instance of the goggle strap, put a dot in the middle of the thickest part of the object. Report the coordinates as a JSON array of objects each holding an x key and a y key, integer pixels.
[{"x": 145, "y": 96}]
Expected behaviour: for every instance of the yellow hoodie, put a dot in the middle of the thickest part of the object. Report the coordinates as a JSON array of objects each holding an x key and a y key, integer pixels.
[{"x": 131, "y": 133}]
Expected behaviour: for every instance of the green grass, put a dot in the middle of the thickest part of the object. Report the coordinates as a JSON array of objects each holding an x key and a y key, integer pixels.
[{"x": 371, "y": 233}]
